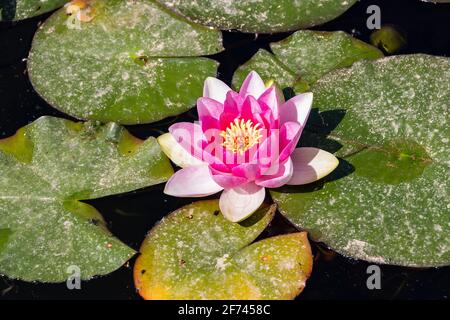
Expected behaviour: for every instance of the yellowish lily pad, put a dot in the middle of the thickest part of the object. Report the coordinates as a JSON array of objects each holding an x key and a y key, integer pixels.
[{"x": 195, "y": 253}]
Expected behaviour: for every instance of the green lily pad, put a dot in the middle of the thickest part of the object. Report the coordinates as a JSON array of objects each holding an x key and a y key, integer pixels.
[
  {"x": 134, "y": 62},
  {"x": 307, "y": 55},
  {"x": 11, "y": 10},
  {"x": 45, "y": 170},
  {"x": 269, "y": 67},
  {"x": 388, "y": 201},
  {"x": 195, "y": 253},
  {"x": 260, "y": 16}
]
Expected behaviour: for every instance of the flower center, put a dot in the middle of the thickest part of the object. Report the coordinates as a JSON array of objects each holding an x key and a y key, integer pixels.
[{"x": 241, "y": 135}]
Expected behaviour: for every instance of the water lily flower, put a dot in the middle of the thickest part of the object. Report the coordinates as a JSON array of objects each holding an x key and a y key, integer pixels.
[{"x": 243, "y": 143}]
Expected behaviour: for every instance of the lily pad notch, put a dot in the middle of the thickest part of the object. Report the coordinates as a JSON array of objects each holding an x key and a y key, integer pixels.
[
  {"x": 47, "y": 169},
  {"x": 147, "y": 63}
]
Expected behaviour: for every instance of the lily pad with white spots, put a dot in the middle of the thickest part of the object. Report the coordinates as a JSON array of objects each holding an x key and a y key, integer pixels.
[
  {"x": 46, "y": 169},
  {"x": 134, "y": 62},
  {"x": 195, "y": 253},
  {"x": 11, "y": 10},
  {"x": 260, "y": 16},
  {"x": 389, "y": 199},
  {"x": 269, "y": 67},
  {"x": 305, "y": 56}
]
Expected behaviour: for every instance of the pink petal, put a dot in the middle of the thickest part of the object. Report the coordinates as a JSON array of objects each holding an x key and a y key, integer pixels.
[
  {"x": 225, "y": 119},
  {"x": 233, "y": 103},
  {"x": 239, "y": 203},
  {"x": 252, "y": 85},
  {"x": 192, "y": 182},
  {"x": 219, "y": 168},
  {"x": 272, "y": 98},
  {"x": 209, "y": 123},
  {"x": 231, "y": 109},
  {"x": 250, "y": 107},
  {"x": 189, "y": 136},
  {"x": 297, "y": 109},
  {"x": 228, "y": 181},
  {"x": 249, "y": 171},
  {"x": 213, "y": 152},
  {"x": 268, "y": 150},
  {"x": 276, "y": 176},
  {"x": 209, "y": 107},
  {"x": 289, "y": 135},
  {"x": 311, "y": 164},
  {"x": 215, "y": 89},
  {"x": 269, "y": 120},
  {"x": 264, "y": 119}
]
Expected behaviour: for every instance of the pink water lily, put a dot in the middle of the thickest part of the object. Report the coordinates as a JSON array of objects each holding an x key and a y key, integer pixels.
[{"x": 243, "y": 143}]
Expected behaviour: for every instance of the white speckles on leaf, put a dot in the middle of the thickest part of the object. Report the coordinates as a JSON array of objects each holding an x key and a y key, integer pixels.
[
  {"x": 216, "y": 259},
  {"x": 23, "y": 9},
  {"x": 259, "y": 16},
  {"x": 306, "y": 55},
  {"x": 124, "y": 65},
  {"x": 388, "y": 200},
  {"x": 39, "y": 198}
]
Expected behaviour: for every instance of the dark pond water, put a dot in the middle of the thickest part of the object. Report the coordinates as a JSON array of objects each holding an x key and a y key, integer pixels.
[{"x": 130, "y": 216}]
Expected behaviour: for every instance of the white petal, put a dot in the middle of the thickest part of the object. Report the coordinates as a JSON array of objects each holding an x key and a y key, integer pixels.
[
  {"x": 192, "y": 182},
  {"x": 215, "y": 89},
  {"x": 176, "y": 152},
  {"x": 241, "y": 202},
  {"x": 297, "y": 108},
  {"x": 253, "y": 86},
  {"x": 311, "y": 164}
]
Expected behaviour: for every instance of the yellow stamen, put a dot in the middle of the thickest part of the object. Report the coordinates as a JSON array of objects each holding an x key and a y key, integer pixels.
[{"x": 241, "y": 135}]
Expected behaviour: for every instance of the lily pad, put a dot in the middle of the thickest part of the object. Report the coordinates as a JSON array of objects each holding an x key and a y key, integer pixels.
[
  {"x": 270, "y": 67},
  {"x": 260, "y": 16},
  {"x": 388, "y": 201},
  {"x": 11, "y": 10},
  {"x": 46, "y": 168},
  {"x": 195, "y": 253},
  {"x": 134, "y": 62},
  {"x": 307, "y": 55}
]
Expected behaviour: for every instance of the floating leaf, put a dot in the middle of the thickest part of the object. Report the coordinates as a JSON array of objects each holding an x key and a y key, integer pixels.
[
  {"x": 269, "y": 67},
  {"x": 195, "y": 253},
  {"x": 307, "y": 55},
  {"x": 132, "y": 63},
  {"x": 388, "y": 38},
  {"x": 260, "y": 16},
  {"x": 45, "y": 170},
  {"x": 388, "y": 201},
  {"x": 23, "y": 9}
]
